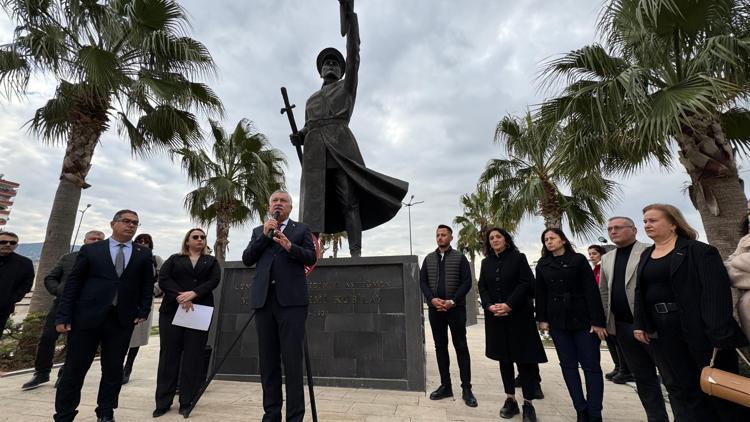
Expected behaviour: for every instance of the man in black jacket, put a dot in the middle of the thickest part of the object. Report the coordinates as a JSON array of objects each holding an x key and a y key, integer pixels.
[
  {"x": 108, "y": 292},
  {"x": 54, "y": 282},
  {"x": 16, "y": 277},
  {"x": 281, "y": 248},
  {"x": 445, "y": 279}
]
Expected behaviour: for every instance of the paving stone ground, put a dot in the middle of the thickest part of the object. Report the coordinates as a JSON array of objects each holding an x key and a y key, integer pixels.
[{"x": 237, "y": 401}]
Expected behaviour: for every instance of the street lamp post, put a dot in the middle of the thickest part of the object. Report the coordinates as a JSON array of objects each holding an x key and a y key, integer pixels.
[
  {"x": 75, "y": 238},
  {"x": 410, "y": 204}
]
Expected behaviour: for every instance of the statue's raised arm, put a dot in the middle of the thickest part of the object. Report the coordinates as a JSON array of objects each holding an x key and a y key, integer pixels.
[{"x": 350, "y": 30}]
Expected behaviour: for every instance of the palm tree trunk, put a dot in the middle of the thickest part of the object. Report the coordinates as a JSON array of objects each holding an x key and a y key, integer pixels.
[
  {"x": 86, "y": 128},
  {"x": 550, "y": 207},
  {"x": 716, "y": 190},
  {"x": 222, "y": 235},
  {"x": 57, "y": 241}
]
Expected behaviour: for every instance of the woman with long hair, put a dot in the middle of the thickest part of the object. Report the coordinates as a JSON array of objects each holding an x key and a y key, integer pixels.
[
  {"x": 505, "y": 286},
  {"x": 595, "y": 257},
  {"x": 142, "y": 332},
  {"x": 683, "y": 308},
  {"x": 568, "y": 304},
  {"x": 187, "y": 278},
  {"x": 738, "y": 265}
]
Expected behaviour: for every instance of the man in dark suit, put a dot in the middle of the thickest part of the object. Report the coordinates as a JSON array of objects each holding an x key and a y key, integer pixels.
[
  {"x": 16, "y": 277},
  {"x": 281, "y": 248},
  {"x": 54, "y": 282},
  {"x": 108, "y": 292}
]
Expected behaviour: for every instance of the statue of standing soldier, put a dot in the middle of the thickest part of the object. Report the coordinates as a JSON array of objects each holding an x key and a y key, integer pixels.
[{"x": 337, "y": 191}]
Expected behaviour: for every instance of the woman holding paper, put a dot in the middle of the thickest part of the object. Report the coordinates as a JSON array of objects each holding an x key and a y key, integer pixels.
[{"x": 187, "y": 279}]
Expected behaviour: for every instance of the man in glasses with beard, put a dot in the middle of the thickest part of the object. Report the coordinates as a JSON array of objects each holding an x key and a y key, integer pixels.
[{"x": 16, "y": 276}]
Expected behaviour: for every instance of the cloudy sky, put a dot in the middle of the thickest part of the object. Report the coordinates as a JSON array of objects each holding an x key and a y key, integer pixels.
[{"x": 435, "y": 78}]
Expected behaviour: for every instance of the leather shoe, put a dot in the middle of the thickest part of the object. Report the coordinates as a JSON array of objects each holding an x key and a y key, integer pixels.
[
  {"x": 159, "y": 412},
  {"x": 609, "y": 375},
  {"x": 105, "y": 419},
  {"x": 538, "y": 393},
  {"x": 509, "y": 409},
  {"x": 623, "y": 378},
  {"x": 442, "y": 392},
  {"x": 184, "y": 412},
  {"x": 529, "y": 413},
  {"x": 36, "y": 380},
  {"x": 469, "y": 398}
]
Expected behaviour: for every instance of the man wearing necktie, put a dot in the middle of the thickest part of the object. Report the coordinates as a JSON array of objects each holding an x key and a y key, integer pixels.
[
  {"x": 281, "y": 248},
  {"x": 108, "y": 292},
  {"x": 445, "y": 279}
]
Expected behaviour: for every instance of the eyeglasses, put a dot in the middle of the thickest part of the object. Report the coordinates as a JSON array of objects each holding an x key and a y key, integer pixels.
[
  {"x": 128, "y": 222},
  {"x": 198, "y": 236},
  {"x": 9, "y": 242},
  {"x": 616, "y": 228}
]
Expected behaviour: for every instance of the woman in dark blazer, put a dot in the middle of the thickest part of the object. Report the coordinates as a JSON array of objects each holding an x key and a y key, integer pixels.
[
  {"x": 683, "y": 308},
  {"x": 568, "y": 304},
  {"x": 511, "y": 336},
  {"x": 186, "y": 279}
]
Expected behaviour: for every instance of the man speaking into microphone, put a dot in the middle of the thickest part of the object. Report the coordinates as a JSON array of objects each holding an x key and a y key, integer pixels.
[{"x": 281, "y": 248}]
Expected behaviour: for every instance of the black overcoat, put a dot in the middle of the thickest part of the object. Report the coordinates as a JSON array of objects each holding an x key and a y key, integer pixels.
[
  {"x": 567, "y": 296},
  {"x": 177, "y": 274},
  {"x": 329, "y": 144},
  {"x": 701, "y": 288},
  {"x": 507, "y": 278}
]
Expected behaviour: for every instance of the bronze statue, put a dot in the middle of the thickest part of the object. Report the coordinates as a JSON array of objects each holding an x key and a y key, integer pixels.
[{"x": 337, "y": 191}]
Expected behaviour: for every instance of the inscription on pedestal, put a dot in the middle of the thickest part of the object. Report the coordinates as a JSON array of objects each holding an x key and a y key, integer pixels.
[{"x": 364, "y": 325}]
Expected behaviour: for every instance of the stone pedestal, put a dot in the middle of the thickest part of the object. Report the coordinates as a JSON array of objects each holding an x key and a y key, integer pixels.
[{"x": 365, "y": 324}]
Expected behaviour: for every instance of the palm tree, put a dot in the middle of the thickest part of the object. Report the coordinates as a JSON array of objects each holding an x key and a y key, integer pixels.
[
  {"x": 669, "y": 74},
  {"x": 334, "y": 239},
  {"x": 234, "y": 184},
  {"x": 123, "y": 61},
  {"x": 478, "y": 216},
  {"x": 530, "y": 181}
]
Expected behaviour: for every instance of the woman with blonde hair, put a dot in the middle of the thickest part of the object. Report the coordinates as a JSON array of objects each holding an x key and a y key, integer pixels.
[
  {"x": 683, "y": 308},
  {"x": 738, "y": 265},
  {"x": 187, "y": 278}
]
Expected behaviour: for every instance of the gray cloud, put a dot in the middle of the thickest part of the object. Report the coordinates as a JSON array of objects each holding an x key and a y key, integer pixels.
[{"x": 435, "y": 78}]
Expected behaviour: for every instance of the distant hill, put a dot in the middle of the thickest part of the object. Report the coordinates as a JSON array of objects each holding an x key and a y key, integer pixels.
[{"x": 33, "y": 251}]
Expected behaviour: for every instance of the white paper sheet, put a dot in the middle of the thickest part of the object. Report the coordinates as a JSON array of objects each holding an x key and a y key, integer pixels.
[{"x": 198, "y": 319}]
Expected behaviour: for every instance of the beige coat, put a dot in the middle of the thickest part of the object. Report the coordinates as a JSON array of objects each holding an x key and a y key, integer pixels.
[
  {"x": 738, "y": 266},
  {"x": 605, "y": 280},
  {"x": 142, "y": 331}
]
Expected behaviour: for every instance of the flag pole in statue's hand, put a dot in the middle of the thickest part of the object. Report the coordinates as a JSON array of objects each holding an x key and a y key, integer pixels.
[{"x": 296, "y": 135}]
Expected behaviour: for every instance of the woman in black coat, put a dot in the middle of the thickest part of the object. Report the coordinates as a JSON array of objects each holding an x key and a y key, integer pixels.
[
  {"x": 186, "y": 279},
  {"x": 568, "y": 304},
  {"x": 683, "y": 308},
  {"x": 505, "y": 286}
]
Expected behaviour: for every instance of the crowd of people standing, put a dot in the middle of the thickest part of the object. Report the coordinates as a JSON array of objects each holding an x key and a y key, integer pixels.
[{"x": 664, "y": 309}]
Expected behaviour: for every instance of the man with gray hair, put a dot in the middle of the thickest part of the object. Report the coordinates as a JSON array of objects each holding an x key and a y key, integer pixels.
[
  {"x": 617, "y": 288},
  {"x": 54, "y": 282},
  {"x": 281, "y": 248}
]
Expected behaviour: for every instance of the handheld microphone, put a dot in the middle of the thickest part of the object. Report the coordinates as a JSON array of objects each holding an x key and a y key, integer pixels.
[{"x": 275, "y": 216}]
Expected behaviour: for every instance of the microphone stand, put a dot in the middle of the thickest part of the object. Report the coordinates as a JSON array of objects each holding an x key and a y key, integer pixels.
[{"x": 218, "y": 366}]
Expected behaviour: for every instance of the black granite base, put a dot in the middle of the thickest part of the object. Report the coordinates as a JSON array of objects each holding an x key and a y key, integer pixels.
[{"x": 365, "y": 324}]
